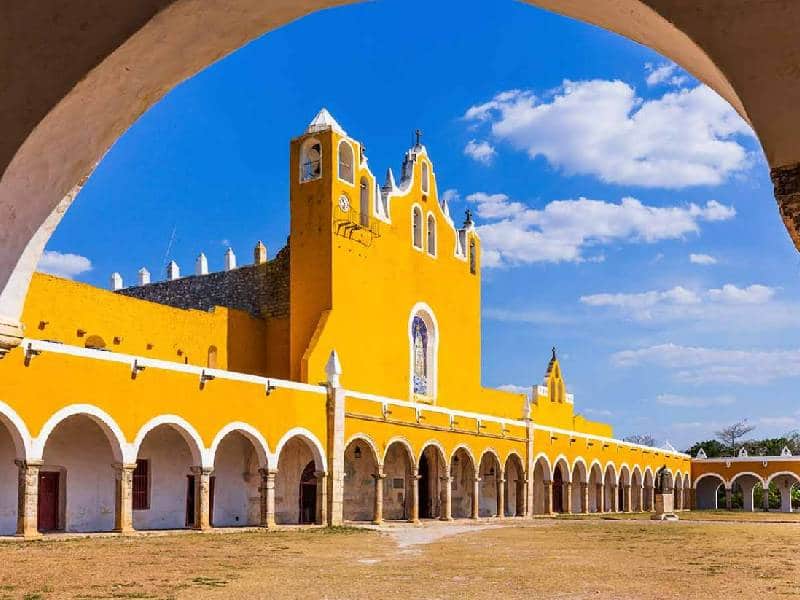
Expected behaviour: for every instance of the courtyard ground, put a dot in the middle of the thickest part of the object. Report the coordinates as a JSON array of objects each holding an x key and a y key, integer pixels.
[{"x": 705, "y": 555}]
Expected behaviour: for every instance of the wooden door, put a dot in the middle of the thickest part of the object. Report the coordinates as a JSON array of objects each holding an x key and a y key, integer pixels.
[{"x": 48, "y": 500}]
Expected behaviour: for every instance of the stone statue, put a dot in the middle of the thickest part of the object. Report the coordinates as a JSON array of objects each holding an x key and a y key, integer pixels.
[{"x": 662, "y": 480}]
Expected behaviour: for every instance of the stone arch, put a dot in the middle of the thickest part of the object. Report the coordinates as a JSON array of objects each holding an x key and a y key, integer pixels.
[
  {"x": 186, "y": 431},
  {"x": 490, "y": 488},
  {"x": 113, "y": 432},
  {"x": 400, "y": 469},
  {"x": 313, "y": 442},
  {"x": 648, "y": 493},
  {"x": 610, "y": 488},
  {"x": 561, "y": 486},
  {"x": 17, "y": 431},
  {"x": 363, "y": 437},
  {"x": 431, "y": 469},
  {"x": 580, "y": 486},
  {"x": 677, "y": 492},
  {"x": 310, "y": 160},
  {"x": 346, "y": 162},
  {"x": 596, "y": 475},
  {"x": 463, "y": 471},
  {"x": 542, "y": 478},
  {"x": 300, "y": 478},
  {"x": 14, "y": 446},
  {"x": 406, "y": 446},
  {"x": 362, "y": 472},
  {"x": 623, "y": 488},
  {"x": 515, "y": 485},
  {"x": 706, "y": 487},
  {"x": 251, "y": 433},
  {"x": 637, "y": 489},
  {"x": 784, "y": 482}
]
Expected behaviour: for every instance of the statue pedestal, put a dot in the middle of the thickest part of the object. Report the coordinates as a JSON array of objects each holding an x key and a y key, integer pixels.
[{"x": 665, "y": 507}]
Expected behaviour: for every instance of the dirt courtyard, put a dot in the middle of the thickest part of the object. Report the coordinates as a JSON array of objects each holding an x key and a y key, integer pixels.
[{"x": 744, "y": 556}]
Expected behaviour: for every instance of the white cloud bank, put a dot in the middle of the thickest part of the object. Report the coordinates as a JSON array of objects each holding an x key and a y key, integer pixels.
[
  {"x": 666, "y": 73},
  {"x": 482, "y": 152},
  {"x": 688, "y": 136},
  {"x": 63, "y": 265},
  {"x": 697, "y": 364},
  {"x": 694, "y": 401},
  {"x": 563, "y": 229},
  {"x": 702, "y": 259}
]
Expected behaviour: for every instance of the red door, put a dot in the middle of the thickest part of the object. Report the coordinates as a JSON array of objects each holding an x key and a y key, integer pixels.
[{"x": 48, "y": 501}]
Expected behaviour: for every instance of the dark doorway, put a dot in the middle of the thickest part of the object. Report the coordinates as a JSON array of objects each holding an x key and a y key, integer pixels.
[
  {"x": 558, "y": 491},
  {"x": 308, "y": 494},
  {"x": 190, "y": 500},
  {"x": 424, "y": 488},
  {"x": 621, "y": 499},
  {"x": 48, "y": 500}
]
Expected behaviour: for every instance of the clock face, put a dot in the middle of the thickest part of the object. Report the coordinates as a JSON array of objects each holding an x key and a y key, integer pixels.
[{"x": 344, "y": 203}]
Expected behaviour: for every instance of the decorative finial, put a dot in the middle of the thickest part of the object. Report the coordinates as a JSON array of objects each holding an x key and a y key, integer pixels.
[
  {"x": 468, "y": 217},
  {"x": 553, "y": 350},
  {"x": 418, "y": 133}
]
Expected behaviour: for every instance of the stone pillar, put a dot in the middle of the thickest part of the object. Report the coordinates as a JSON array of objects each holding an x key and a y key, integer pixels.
[
  {"x": 728, "y": 498},
  {"x": 202, "y": 498},
  {"x": 692, "y": 499},
  {"x": 447, "y": 503},
  {"x": 377, "y": 512},
  {"x": 600, "y": 497},
  {"x": 501, "y": 498},
  {"x": 614, "y": 498},
  {"x": 765, "y": 499},
  {"x": 528, "y": 492},
  {"x": 547, "y": 488},
  {"x": 323, "y": 501},
  {"x": 334, "y": 491},
  {"x": 627, "y": 498},
  {"x": 28, "y": 498},
  {"x": 529, "y": 465},
  {"x": 584, "y": 497},
  {"x": 414, "y": 497},
  {"x": 786, "y": 182},
  {"x": 566, "y": 497},
  {"x": 267, "y": 491},
  {"x": 123, "y": 518},
  {"x": 476, "y": 497}
]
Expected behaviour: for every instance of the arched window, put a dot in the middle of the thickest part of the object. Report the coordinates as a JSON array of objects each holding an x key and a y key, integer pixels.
[
  {"x": 422, "y": 338},
  {"x": 364, "y": 204},
  {"x": 472, "y": 258},
  {"x": 212, "y": 357},
  {"x": 425, "y": 178},
  {"x": 310, "y": 160},
  {"x": 431, "y": 235},
  {"x": 417, "y": 227},
  {"x": 345, "y": 162},
  {"x": 95, "y": 342}
]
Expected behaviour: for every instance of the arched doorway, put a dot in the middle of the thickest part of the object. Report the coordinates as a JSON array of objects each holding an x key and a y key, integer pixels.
[
  {"x": 785, "y": 483},
  {"x": 77, "y": 480},
  {"x": 637, "y": 485},
  {"x": 542, "y": 501},
  {"x": 360, "y": 471},
  {"x": 297, "y": 483},
  {"x": 462, "y": 471},
  {"x": 610, "y": 499},
  {"x": 9, "y": 478},
  {"x": 515, "y": 487},
  {"x": 164, "y": 481},
  {"x": 558, "y": 490},
  {"x": 432, "y": 468},
  {"x": 580, "y": 501},
  {"x": 648, "y": 491},
  {"x": 235, "y": 498},
  {"x": 398, "y": 466},
  {"x": 677, "y": 492},
  {"x": 595, "y": 488},
  {"x": 490, "y": 475},
  {"x": 624, "y": 490},
  {"x": 706, "y": 492}
]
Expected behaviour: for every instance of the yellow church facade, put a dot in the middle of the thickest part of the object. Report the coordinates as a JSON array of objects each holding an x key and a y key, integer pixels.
[{"x": 339, "y": 381}]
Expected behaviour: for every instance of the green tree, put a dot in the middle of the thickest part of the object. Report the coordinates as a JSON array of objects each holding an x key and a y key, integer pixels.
[{"x": 712, "y": 448}]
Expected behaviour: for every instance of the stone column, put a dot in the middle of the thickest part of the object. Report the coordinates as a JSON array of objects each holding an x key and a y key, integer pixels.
[
  {"x": 267, "y": 491},
  {"x": 28, "y": 498},
  {"x": 547, "y": 488},
  {"x": 728, "y": 498},
  {"x": 447, "y": 504},
  {"x": 476, "y": 497},
  {"x": 566, "y": 497},
  {"x": 584, "y": 497},
  {"x": 202, "y": 498},
  {"x": 377, "y": 512},
  {"x": 600, "y": 497},
  {"x": 415, "y": 477},
  {"x": 627, "y": 498},
  {"x": 334, "y": 491},
  {"x": 614, "y": 498},
  {"x": 786, "y": 183},
  {"x": 529, "y": 465},
  {"x": 765, "y": 499},
  {"x": 501, "y": 498},
  {"x": 528, "y": 492},
  {"x": 323, "y": 502},
  {"x": 123, "y": 518}
]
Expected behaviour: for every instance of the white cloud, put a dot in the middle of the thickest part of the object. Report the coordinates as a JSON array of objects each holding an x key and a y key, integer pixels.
[
  {"x": 482, "y": 151},
  {"x": 449, "y": 196},
  {"x": 753, "y": 294},
  {"x": 702, "y": 259},
  {"x": 63, "y": 265},
  {"x": 516, "y": 389},
  {"x": 533, "y": 316},
  {"x": 563, "y": 229},
  {"x": 677, "y": 295},
  {"x": 705, "y": 365},
  {"x": 694, "y": 401},
  {"x": 668, "y": 73},
  {"x": 689, "y": 136}
]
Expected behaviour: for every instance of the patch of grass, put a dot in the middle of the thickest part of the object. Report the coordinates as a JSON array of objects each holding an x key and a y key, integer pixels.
[{"x": 210, "y": 582}]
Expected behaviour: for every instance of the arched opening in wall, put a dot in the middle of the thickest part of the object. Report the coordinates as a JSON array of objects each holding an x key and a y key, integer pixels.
[
  {"x": 297, "y": 484},
  {"x": 742, "y": 491},
  {"x": 423, "y": 355},
  {"x": 489, "y": 487},
  {"x": 346, "y": 162},
  {"x": 462, "y": 490},
  {"x": 211, "y": 363},
  {"x": 163, "y": 482},
  {"x": 595, "y": 488},
  {"x": 706, "y": 492},
  {"x": 541, "y": 477},
  {"x": 9, "y": 478},
  {"x": 432, "y": 468},
  {"x": 580, "y": 482},
  {"x": 515, "y": 487},
  {"x": 687, "y": 492},
  {"x": 363, "y": 205},
  {"x": 425, "y": 177},
  {"x": 360, "y": 471},
  {"x": 416, "y": 227},
  {"x": 636, "y": 490},
  {"x": 623, "y": 499},
  {"x": 310, "y": 160},
  {"x": 558, "y": 489},
  {"x": 611, "y": 484},
  {"x": 648, "y": 491},
  {"x": 398, "y": 466},
  {"x": 431, "y": 235},
  {"x": 77, "y": 480},
  {"x": 785, "y": 491},
  {"x": 236, "y": 495},
  {"x": 95, "y": 342}
]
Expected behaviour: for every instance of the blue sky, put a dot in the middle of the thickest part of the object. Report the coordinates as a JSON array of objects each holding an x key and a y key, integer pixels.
[{"x": 625, "y": 210}]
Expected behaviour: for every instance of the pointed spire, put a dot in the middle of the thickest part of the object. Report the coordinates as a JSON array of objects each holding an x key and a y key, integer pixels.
[
  {"x": 116, "y": 281},
  {"x": 173, "y": 271},
  {"x": 230, "y": 260},
  {"x": 260, "y": 253},
  {"x": 201, "y": 265},
  {"x": 144, "y": 276},
  {"x": 333, "y": 369},
  {"x": 324, "y": 121},
  {"x": 389, "y": 184}
]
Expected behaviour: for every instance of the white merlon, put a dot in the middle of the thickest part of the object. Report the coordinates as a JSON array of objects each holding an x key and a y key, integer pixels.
[
  {"x": 201, "y": 265},
  {"x": 324, "y": 121},
  {"x": 742, "y": 452},
  {"x": 116, "y": 281},
  {"x": 260, "y": 253},
  {"x": 173, "y": 271},
  {"x": 786, "y": 451},
  {"x": 144, "y": 276},
  {"x": 701, "y": 454},
  {"x": 333, "y": 369},
  {"x": 230, "y": 260}
]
